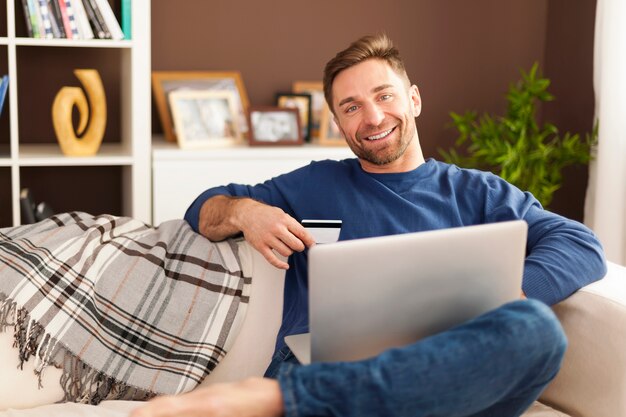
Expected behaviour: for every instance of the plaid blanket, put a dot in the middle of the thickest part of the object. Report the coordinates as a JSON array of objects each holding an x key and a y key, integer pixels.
[{"x": 127, "y": 310}]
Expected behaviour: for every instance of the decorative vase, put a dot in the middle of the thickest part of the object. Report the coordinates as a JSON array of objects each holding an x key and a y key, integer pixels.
[{"x": 86, "y": 140}]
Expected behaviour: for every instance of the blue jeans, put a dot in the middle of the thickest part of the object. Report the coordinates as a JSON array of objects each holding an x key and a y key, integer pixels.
[{"x": 494, "y": 365}]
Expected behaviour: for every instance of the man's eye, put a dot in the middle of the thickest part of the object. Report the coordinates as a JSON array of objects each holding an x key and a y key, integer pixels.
[
  {"x": 351, "y": 109},
  {"x": 385, "y": 97}
]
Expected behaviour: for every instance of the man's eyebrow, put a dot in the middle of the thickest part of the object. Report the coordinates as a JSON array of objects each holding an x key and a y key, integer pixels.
[
  {"x": 374, "y": 90},
  {"x": 381, "y": 87},
  {"x": 345, "y": 100}
]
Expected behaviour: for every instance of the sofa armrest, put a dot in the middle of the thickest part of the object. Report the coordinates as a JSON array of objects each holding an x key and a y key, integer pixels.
[
  {"x": 252, "y": 349},
  {"x": 592, "y": 380}
]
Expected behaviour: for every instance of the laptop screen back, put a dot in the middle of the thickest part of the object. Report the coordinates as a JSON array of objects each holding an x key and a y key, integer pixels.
[{"x": 368, "y": 295}]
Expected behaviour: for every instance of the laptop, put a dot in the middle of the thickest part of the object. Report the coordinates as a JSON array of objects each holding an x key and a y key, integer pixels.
[{"x": 369, "y": 295}]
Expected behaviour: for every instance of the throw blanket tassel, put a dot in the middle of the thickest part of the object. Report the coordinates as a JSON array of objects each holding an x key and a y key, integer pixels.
[{"x": 80, "y": 383}]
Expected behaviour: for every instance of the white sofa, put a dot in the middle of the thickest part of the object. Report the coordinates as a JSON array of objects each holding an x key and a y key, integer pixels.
[{"x": 592, "y": 382}]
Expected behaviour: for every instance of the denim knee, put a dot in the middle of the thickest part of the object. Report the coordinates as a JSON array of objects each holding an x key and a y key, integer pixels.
[{"x": 540, "y": 332}]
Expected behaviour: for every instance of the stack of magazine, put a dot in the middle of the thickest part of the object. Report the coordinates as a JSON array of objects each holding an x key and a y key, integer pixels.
[
  {"x": 4, "y": 86},
  {"x": 72, "y": 19}
]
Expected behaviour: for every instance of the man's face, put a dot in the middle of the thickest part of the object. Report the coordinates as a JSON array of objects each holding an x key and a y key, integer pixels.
[{"x": 375, "y": 110}]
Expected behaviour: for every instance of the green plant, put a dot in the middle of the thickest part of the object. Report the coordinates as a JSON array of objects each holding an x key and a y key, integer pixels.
[{"x": 515, "y": 146}]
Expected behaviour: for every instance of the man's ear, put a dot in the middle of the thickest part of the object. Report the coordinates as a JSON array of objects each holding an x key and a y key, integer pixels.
[{"x": 416, "y": 100}]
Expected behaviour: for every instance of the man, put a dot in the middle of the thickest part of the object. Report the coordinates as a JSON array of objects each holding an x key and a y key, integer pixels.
[{"x": 495, "y": 365}]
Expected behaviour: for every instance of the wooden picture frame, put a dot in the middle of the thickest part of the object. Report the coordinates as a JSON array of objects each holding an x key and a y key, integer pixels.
[
  {"x": 204, "y": 119},
  {"x": 302, "y": 102},
  {"x": 318, "y": 103},
  {"x": 274, "y": 126},
  {"x": 330, "y": 135},
  {"x": 164, "y": 82}
]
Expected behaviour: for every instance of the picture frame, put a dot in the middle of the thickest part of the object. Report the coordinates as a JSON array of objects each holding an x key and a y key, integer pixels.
[
  {"x": 204, "y": 118},
  {"x": 318, "y": 103},
  {"x": 274, "y": 126},
  {"x": 165, "y": 82},
  {"x": 330, "y": 135},
  {"x": 302, "y": 102}
]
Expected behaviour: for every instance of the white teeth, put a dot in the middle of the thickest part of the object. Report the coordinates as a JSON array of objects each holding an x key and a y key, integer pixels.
[{"x": 380, "y": 136}]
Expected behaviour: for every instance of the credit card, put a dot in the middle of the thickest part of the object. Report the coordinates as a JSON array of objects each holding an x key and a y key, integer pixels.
[{"x": 323, "y": 231}]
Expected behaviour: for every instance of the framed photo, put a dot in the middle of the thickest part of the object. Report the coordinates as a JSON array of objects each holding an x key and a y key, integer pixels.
[
  {"x": 329, "y": 132},
  {"x": 165, "y": 82},
  {"x": 302, "y": 102},
  {"x": 274, "y": 126},
  {"x": 204, "y": 118},
  {"x": 318, "y": 103}
]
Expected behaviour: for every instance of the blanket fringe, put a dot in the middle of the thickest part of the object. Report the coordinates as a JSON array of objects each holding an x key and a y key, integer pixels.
[{"x": 80, "y": 382}]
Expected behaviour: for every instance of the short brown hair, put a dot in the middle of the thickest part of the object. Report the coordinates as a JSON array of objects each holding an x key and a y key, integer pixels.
[{"x": 368, "y": 47}]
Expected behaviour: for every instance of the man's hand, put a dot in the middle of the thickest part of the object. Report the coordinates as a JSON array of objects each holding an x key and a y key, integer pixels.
[
  {"x": 268, "y": 229},
  {"x": 254, "y": 397}
]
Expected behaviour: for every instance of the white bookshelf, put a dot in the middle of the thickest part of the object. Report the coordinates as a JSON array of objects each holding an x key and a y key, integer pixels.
[{"x": 133, "y": 152}]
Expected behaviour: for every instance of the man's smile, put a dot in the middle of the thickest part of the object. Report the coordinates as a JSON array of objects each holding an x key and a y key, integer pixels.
[{"x": 380, "y": 135}]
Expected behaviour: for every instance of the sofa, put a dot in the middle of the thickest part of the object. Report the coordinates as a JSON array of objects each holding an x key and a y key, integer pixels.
[{"x": 591, "y": 383}]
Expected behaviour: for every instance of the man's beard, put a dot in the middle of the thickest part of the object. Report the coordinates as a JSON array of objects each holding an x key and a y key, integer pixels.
[{"x": 379, "y": 158}]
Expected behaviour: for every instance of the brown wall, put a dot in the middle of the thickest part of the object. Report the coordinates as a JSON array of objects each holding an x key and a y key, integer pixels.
[{"x": 461, "y": 54}]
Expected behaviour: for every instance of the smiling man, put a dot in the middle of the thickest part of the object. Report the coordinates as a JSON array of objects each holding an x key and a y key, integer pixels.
[{"x": 496, "y": 364}]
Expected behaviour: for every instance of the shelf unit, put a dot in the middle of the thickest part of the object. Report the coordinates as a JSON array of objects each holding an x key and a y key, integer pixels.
[
  {"x": 180, "y": 175},
  {"x": 130, "y": 149}
]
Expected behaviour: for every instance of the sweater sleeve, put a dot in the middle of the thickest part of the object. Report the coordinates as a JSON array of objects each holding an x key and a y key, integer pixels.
[
  {"x": 562, "y": 255},
  {"x": 280, "y": 192}
]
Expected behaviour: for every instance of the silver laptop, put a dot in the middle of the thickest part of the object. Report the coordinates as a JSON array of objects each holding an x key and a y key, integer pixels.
[{"x": 368, "y": 295}]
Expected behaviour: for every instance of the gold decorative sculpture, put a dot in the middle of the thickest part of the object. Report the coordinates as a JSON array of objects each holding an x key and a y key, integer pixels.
[{"x": 83, "y": 142}]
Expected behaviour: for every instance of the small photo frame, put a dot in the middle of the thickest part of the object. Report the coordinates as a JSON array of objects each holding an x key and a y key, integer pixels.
[
  {"x": 274, "y": 126},
  {"x": 318, "y": 103},
  {"x": 330, "y": 135},
  {"x": 165, "y": 82},
  {"x": 204, "y": 118},
  {"x": 302, "y": 102}
]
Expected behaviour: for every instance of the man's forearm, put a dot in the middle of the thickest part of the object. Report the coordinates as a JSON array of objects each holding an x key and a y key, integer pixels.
[
  {"x": 266, "y": 228},
  {"x": 219, "y": 217}
]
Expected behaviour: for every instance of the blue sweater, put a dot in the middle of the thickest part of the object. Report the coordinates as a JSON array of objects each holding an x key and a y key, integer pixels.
[{"x": 562, "y": 255}]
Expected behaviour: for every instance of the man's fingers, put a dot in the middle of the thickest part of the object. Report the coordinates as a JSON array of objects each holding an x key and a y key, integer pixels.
[
  {"x": 301, "y": 235},
  {"x": 271, "y": 257}
]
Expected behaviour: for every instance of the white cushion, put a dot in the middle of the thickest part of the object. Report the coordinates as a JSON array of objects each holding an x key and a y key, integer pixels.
[
  {"x": 592, "y": 381},
  {"x": 252, "y": 350}
]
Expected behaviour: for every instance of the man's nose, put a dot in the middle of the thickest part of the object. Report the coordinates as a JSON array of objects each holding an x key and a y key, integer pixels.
[{"x": 374, "y": 116}]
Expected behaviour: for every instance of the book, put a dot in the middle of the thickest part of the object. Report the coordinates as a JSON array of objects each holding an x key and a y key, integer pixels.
[
  {"x": 84, "y": 28},
  {"x": 66, "y": 20},
  {"x": 29, "y": 26},
  {"x": 38, "y": 22},
  {"x": 55, "y": 12},
  {"x": 72, "y": 19},
  {"x": 32, "y": 11},
  {"x": 109, "y": 18},
  {"x": 45, "y": 20},
  {"x": 4, "y": 86},
  {"x": 126, "y": 19},
  {"x": 93, "y": 20},
  {"x": 100, "y": 18},
  {"x": 54, "y": 24}
]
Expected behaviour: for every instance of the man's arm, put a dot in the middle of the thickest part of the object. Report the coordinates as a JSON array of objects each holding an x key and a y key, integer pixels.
[
  {"x": 268, "y": 229},
  {"x": 564, "y": 256}
]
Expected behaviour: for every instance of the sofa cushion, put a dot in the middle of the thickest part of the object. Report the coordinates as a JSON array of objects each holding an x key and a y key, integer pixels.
[
  {"x": 592, "y": 380},
  {"x": 542, "y": 410}
]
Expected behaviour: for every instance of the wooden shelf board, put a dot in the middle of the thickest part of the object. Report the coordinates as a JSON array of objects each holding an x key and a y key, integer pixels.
[
  {"x": 51, "y": 155},
  {"x": 81, "y": 43}
]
